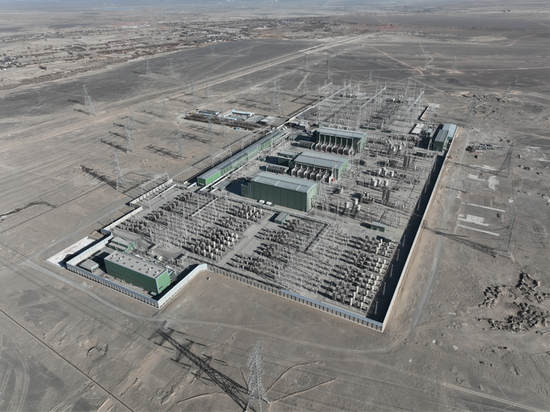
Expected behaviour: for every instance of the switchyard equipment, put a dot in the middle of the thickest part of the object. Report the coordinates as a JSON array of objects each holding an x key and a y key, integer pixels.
[
  {"x": 240, "y": 158},
  {"x": 281, "y": 190},
  {"x": 339, "y": 141},
  {"x": 149, "y": 276},
  {"x": 319, "y": 166}
]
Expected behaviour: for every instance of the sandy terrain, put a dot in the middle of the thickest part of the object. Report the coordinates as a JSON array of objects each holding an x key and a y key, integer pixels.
[{"x": 470, "y": 328}]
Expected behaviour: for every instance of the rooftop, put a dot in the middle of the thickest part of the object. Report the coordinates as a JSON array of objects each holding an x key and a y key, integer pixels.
[
  {"x": 451, "y": 128},
  {"x": 286, "y": 182},
  {"x": 288, "y": 153},
  {"x": 341, "y": 133},
  {"x": 441, "y": 135},
  {"x": 120, "y": 241},
  {"x": 136, "y": 264},
  {"x": 243, "y": 153},
  {"x": 321, "y": 160}
]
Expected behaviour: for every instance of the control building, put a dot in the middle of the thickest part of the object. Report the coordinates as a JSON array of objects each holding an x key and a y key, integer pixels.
[
  {"x": 281, "y": 190},
  {"x": 149, "y": 276}
]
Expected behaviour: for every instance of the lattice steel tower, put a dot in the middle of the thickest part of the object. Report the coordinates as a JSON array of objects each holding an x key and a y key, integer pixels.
[
  {"x": 276, "y": 100},
  {"x": 171, "y": 68},
  {"x": 181, "y": 152},
  {"x": 120, "y": 181},
  {"x": 88, "y": 104},
  {"x": 129, "y": 140},
  {"x": 256, "y": 391},
  {"x": 209, "y": 95}
]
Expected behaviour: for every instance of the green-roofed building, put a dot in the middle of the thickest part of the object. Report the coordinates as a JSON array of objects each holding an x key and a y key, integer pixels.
[
  {"x": 281, "y": 190},
  {"x": 146, "y": 275}
]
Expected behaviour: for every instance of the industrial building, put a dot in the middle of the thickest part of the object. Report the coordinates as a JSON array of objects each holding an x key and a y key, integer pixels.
[
  {"x": 149, "y": 276},
  {"x": 319, "y": 166},
  {"x": 339, "y": 141},
  {"x": 239, "y": 158},
  {"x": 444, "y": 136},
  {"x": 281, "y": 190}
]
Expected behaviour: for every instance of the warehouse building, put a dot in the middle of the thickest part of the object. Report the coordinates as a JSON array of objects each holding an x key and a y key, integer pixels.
[
  {"x": 281, "y": 190},
  {"x": 149, "y": 276},
  {"x": 345, "y": 142},
  {"x": 238, "y": 159},
  {"x": 319, "y": 166},
  {"x": 444, "y": 136}
]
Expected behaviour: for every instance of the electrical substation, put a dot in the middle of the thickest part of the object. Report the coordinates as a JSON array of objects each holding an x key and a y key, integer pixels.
[{"x": 323, "y": 208}]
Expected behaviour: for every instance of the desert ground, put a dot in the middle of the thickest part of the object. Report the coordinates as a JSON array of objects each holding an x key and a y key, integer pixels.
[{"x": 470, "y": 327}]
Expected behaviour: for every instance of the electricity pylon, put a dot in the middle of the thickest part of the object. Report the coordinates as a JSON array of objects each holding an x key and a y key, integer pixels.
[
  {"x": 88, "y": 104},
  {"x": 119, "y": 177},
  {"x": 256, "y": 391}
]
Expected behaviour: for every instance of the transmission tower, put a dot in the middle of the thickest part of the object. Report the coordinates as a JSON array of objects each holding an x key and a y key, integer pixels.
[
  {"x": 511, "y": 86},
  {"x": 194, "y": 91},
  {"x": 181, "y": 152},
  {"x": 171, "y": 70},
  {"x": 427, "y": 60},
  {"x": 147, "y": 68},
  {"x": 306, "y": 65},
  {"x": 144, "y": 107},
  {"x": 256, "y": 391},
  {"x": 129, "y": 139},
  {"x": 454, "y": 64},
  {"x": 276, "y": 101},
  {"x": 210, "y": 130},
  {"x": 328, "y": 66},
  {"x": 305, "y": 90},
  {"x": 431, "y": 113},
  {"x": 131, "y": 123},
  {"x": 471, "y": 114},
  {"x": 88, "y": 104},
  {"x": 209, "y": 95},
  {"x": 222, "y": 124},
  {"x": 119, "y": 177},
  {"x": 164, "y": 109}
]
